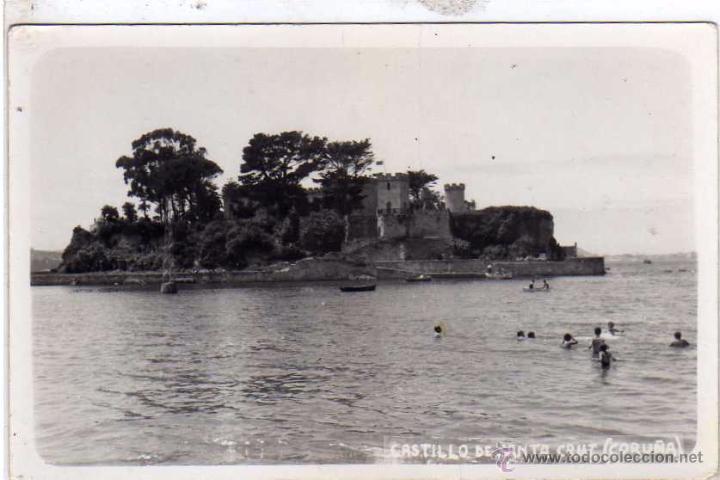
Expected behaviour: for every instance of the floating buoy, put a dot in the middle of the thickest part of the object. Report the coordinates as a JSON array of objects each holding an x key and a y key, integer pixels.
[{"x": 168, "y": 287}]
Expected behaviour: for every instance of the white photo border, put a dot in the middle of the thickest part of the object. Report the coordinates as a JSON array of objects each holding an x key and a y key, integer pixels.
[{"x": 696, "y": 42}]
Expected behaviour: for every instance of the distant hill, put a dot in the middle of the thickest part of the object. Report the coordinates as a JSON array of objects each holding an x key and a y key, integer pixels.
[
  {"x": 667, "y": 257},
  {"x": 41, "y": 260}
]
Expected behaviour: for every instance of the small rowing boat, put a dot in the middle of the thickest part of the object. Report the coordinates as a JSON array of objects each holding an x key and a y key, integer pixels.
[
  {"x": 358, "y": 288},
  {"x": 419, "y": 278}
]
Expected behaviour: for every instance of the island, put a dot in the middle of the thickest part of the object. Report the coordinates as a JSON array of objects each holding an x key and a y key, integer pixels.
[{"x": 303, "y": 208}]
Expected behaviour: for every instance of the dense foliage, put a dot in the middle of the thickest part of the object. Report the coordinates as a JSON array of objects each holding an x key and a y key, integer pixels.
[
  {"x": 168, "y": 171},
  {"x": 323, "y": 231},
  {"x": 274, "y": 165},
  {"x": 420, "y": 188},
  {"x": 343, "y": 176},
  {"x": 506, "y": 232}
]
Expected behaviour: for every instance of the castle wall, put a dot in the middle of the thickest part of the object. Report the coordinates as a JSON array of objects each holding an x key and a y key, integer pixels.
[
  {"x": 418, "y": 224},
  {"x": 392, "y": 225},
  {"x": 360, "y": 227},
  {"x": 570, "y": 251},
  {"x": 370, "y": 252},
  {"x": 392, "y": 192},
  {"x": 429, "y": 224}
]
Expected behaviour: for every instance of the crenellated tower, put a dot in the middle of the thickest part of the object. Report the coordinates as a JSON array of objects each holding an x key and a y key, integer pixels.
[
  {"x": 455, "y": 197},
  {"x": 393, "y": 193}
]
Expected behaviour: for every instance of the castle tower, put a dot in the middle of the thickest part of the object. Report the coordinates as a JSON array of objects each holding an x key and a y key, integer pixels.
[
  {"x": 393, "y": 194},
  {"x": 455, "y": 197}
]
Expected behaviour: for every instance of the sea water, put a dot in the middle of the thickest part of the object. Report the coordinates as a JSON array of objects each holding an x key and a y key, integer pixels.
[{"x": 302, "y": 373}]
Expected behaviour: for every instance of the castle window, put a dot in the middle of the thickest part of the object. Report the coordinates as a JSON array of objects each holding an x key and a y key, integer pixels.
[
  {"x": 388, "y": 185},
  {"x": 388, "y": 206}
]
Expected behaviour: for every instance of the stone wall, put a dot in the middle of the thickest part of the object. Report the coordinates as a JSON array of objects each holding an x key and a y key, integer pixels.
[
  {"x": 429, "y": 224},
  {"x": 399, "y": 250},
  {"x": 311, "y": 269},
  {"x": 393, "y": 225},
  {"x": 570, "y": 251},
  {"x": 361, "y": 227},
  {"x": 461, "y": 267}
]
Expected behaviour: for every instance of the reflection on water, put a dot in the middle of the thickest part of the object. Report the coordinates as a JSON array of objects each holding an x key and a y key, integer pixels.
[{"x": 304, "y": 373}]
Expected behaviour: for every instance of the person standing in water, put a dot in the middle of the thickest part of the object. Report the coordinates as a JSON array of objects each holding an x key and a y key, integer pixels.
[
  {"x": 606, "y": 358},
  {"x": 679, "y": 342},
  {"x": 597, "y": 342},
  {"x": 546, "y": 285},
  {"x": 568, "y": 341}
]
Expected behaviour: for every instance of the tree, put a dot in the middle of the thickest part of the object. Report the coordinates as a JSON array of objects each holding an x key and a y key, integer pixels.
[
  {"x": 322, "y": 232},
  {"x": 247, "y": 242},
  {"x": 236, "y": 201},
  {"x": 129, "y": 212},
  {"x": 207, "y": 205},
  {"x": 169, "y": 171},
  {"x": 109, "y": 214},
  {"x": 274, "y": 165},
  {"x": 417, "y": 180},
  {"x": 144, "y": 207},
  {"x": 343, "y": 177}
]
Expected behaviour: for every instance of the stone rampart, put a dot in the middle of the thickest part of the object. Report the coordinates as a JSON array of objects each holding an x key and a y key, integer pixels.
[{"x": 460, "y": 267}]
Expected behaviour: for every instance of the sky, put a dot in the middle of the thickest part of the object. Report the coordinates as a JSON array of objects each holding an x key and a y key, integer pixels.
[{"x": 600, "y": 137}]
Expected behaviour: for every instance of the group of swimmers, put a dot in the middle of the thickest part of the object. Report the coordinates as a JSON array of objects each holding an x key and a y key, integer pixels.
[{"x": 600, "y": 349}]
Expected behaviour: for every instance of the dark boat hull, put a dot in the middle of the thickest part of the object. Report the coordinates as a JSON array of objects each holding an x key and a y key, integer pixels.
[{"x": 362, "y": 288}]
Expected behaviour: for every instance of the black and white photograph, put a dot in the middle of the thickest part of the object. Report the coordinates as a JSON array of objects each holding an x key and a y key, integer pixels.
[{"x": 390, "y": 251}]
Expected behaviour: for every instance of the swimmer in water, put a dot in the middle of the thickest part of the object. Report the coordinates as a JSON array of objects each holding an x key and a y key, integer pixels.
[
  {"x": 531, "y": 335},
  {"x": 606, "y": 358},
  {"x": 679, "y": 342},
  {"x": 613, "y": 330},
  {"x": 520, "y": 335},
  {"x": 438, "y": 331},
  {"x": 597, "y": 342},
  {"x": 568, "y": 341}
]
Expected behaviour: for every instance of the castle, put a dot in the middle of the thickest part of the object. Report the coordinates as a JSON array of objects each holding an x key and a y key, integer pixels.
[
  {"x": 388, "y": 214},
  {"x": 391, "y": 224}
]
